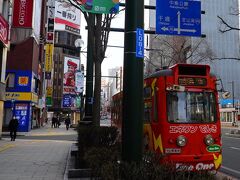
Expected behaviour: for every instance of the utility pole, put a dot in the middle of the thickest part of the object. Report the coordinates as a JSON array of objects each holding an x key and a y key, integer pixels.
[
  {"x": 78, "y": 44},
  {"x": 233, "y": 94},
  {"x": 132, "y": 126}
]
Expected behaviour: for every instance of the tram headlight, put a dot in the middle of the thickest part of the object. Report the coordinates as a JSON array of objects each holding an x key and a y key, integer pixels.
[
  {"x": 209, "y": 140},
  {"x": 181, "y": 141}
]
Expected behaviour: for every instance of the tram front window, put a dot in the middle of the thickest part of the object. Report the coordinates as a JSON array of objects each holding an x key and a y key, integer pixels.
[{"x": 191, "y": 107}]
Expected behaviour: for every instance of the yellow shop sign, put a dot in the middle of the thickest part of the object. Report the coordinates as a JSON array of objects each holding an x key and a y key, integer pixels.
[{"x": 22, "y": 96}]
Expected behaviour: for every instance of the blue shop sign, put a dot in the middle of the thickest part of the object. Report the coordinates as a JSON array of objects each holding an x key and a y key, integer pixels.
[{"x": 22, "y": 113}]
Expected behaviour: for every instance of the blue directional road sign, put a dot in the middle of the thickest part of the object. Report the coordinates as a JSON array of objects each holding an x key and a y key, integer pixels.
[{"x": 178, "y": 17}]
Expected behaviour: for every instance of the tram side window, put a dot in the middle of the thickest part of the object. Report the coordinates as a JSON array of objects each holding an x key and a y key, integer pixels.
[
  {"x": 147, "y": 104},
  {"x": 147, "y": 112},
  {"x": 147, "y": 92},
  {"x": 155, "y": 105},
  {"x": 176, "y": 106},
  {"x": 212, "y": 108}
]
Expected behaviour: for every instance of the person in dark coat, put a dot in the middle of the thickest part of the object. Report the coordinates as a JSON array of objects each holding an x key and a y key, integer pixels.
[
  {"x": 13, "y": 125},
  {"x": 67, "y": 122},
  {"x": 54, "y": 122}
]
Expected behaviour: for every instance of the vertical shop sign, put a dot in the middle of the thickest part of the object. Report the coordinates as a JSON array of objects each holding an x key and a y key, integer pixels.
[
  {"x": 49, "y": 96},
  {"x": 79, "y": 79},
  {"x": 3, "y": 30},
  {"x": 71, "y": 66},
  {"x": 50, "y": 21},
  {"x": 22, "y": 13},
  {"x": 48, "y": 60}
]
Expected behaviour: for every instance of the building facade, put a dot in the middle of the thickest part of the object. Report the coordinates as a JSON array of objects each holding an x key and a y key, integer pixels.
[
  {"x": 24, "y": 65},
  {"x": 64, "y": 94},
  {"x": 115, "y": 82},
  {"x": 4, "y": 45},
  {"x": 224, "y": 45}
]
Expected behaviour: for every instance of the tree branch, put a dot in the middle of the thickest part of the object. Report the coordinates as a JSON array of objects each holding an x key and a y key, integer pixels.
[
  {"x": 228, "y": 27},
  {"x": 232, "y": 58}
]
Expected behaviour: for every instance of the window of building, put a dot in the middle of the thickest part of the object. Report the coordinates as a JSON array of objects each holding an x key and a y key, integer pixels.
[
  {"x": 36, "y": 81},
  {"x": 11, "y": 80}
]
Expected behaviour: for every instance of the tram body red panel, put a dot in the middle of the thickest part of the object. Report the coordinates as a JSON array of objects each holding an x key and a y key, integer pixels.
[{"x": 181, "y": 117}]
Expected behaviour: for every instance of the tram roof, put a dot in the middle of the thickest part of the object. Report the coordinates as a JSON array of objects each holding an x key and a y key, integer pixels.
[{"x": 164, "y": 72}]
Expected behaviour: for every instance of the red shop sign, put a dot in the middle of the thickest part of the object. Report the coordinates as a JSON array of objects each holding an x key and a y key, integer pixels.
[
  {"x": 22, "y": 13},
  {"x": 3, "y": 30}
]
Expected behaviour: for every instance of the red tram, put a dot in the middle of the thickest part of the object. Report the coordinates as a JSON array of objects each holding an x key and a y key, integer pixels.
[{"x": 181, "y": 117}]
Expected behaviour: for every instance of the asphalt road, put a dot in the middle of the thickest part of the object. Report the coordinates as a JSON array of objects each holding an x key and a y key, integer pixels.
[{"x": 231, "y": 154}]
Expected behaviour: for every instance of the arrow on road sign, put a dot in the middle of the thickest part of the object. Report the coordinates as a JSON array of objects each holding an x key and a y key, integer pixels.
[
  {"x": 178, "y": 29},
  {"x": 179, "y": 23}
]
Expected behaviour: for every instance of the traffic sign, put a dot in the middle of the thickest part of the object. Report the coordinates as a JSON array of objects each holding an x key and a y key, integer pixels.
[{"x": 178, "y": 17}]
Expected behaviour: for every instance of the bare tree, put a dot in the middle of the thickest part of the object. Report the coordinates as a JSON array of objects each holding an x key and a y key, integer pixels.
[
  {"x": 226, "y": 27},
  {"x": 169, "y": 50},
  {"x": 98, "y": 32}
]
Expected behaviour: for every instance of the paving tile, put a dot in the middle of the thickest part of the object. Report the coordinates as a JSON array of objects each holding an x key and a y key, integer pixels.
[{"x": 34, "y": 159}]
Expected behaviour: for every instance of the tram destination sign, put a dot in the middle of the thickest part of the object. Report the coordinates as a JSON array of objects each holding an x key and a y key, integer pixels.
[
  {"x": 192, "y": 81},
  {"x": 178, "y": 17}
]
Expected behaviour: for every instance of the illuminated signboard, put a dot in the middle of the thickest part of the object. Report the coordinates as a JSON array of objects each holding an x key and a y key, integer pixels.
[
  {"x": 192, "y": 81},
  {"x": 23, "y": 80}
]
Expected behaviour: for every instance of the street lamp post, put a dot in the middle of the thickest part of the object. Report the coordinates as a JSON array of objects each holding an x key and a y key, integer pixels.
[
  {"x": 78, "y": 44},
  {"x": 233, "y": 94},
  {"x": 89, "y": 75}
]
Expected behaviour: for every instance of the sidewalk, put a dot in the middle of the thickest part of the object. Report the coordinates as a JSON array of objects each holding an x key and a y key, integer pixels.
[{"x": 35, "y": 159}]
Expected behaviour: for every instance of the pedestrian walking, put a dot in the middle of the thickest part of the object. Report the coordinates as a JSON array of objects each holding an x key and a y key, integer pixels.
[
  {"x": 67, "y": 122},
  {"x": 54, "y": 122},
  {"x": 13, "y": 125},
  {"x": 58, "y": 122}
]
